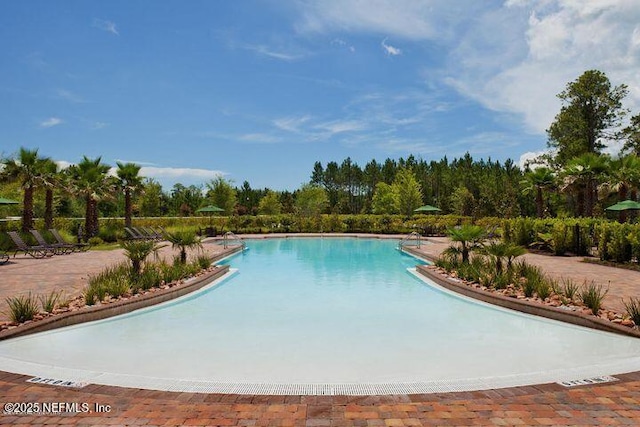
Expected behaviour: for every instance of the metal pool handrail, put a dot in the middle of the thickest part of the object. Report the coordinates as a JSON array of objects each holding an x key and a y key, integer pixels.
[
  {"x": 230, "y": 236},
  {"x": 414, "y": 235}
]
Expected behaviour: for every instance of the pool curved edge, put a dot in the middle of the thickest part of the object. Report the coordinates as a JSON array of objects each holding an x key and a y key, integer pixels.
[
  {"x": 103, "y": 311},
  {"x": 549, "y": 312},
  {"x": 85, "y": 377}
]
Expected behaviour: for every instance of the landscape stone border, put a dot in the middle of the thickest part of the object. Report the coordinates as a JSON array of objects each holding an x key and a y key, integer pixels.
[
  {"x": 522, "y": 305},
  {"x": 103, "y": 311}
]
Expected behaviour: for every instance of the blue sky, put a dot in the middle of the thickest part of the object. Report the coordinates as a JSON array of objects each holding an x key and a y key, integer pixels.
[{"x": 260, "y": 90}]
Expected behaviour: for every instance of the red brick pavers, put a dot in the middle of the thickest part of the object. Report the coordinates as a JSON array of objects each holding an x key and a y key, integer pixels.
[
  {"x": 621, "y": 283},
  {"x": 67, "y": 273},
  {"x": 609, "y": 404}
]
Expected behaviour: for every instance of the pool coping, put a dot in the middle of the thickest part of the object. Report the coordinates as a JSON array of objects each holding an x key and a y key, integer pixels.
[
  {"x": 103, "y": 311},
  {"x": 523, "y": 306}
]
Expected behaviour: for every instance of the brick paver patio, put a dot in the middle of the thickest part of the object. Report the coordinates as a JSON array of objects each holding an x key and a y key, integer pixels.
[{"x": 616, "y": 403}]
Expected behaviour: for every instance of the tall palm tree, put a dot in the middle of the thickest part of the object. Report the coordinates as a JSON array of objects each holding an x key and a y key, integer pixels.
[
  {"x": 90, "y": 180},
  {"x": 50, "y": 177},
  {"x": 24, "y": 167},
  {"x": 468, "y": 238},
  {"x": 131, "y": 183},
  {"x": 581, "y": 175},
  {"x": 624, "y": 178},
  {"x": 539, "y": 180}
]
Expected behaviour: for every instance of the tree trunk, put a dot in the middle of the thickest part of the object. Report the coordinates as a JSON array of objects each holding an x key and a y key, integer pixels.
[
  {"x": 94, "y": 219},
  {"x": 539, "y": 202},
  {"x": 127, "y": 208},
  {"x": 588, "y": 198},
  {"x": 91, "y": 218},
  {"x": 27, "y": 212},
  {"x": 87, "y": 218},
  {"x": 622, "y": 195},
  {"x": 48, "y": 209}
]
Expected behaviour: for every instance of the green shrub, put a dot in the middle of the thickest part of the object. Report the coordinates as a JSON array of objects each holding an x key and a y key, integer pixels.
[
  {"x": 529, "y": 286},
  {"x": 560, "y": 238},
  {"x": 543, "y": 289},
  {"x": 569, "y": 288},
  {"x": 603, "y": 242},
  {"x": 523, "y": 232},
  {"x": 95, "y": 241},
  {"x": 204, "y": 261},
  {"x": 633, "y": 309},
  {"x": 619, "y": 247},
  {"x": 114, "y": 281},
  {"x": 592, "y": 296},
  {"x": 502, "y": 280},
  {"x": 22, "y": 308},
  {"x": 150, "y": 277},
  {"x": 50, "y": 301}
]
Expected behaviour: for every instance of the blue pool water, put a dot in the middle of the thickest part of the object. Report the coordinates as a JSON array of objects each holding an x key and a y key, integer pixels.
[{"x": 322, "y": 311}]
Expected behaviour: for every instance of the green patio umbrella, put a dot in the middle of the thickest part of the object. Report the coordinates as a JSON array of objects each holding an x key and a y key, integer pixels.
[
  {"x": 4, "y": 201},
  {"x": 211, "y": 209},
  {"x": 427, "y": 208},
  {"x": 624, "y": 206}
]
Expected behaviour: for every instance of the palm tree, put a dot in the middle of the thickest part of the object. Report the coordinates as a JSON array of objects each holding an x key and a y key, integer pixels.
[
  {"x": 90, "y": 180},
  {"x": 468, "y": 237},
  {"x": 498, "y": 251},
  {"x": 131, "y": 183},
  {"x": 137, "y": 251},
  {"x": 538, "y": 180},
  {"x": 183, "y": 240},
  {"x": 581, "y": 175},
  {"x": 25, "y": 168},
  {"x": 624, "y": 178},
  {"x": 50, "y": 180}
]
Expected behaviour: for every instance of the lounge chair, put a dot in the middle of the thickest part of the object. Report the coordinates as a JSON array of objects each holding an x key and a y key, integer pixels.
[
  {"x": 57, "y": 248},
  {"x": 144, "y": 233},
  {"x": 153, "y": 234},
  {"x": 76, "y": 247},
  {"x": 36, "y": 251},
  {"x": 134, "y": 235}
]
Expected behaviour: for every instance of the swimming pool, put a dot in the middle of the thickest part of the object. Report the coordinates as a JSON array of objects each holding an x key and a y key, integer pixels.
[{"x": 321, "y": 316}]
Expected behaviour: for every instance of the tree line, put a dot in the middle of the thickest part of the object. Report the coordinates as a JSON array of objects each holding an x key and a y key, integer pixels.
[{"x": 575, "y": 177}]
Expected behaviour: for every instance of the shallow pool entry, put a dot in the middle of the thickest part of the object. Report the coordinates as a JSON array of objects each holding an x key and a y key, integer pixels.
[{"x": 322, "y": 316}]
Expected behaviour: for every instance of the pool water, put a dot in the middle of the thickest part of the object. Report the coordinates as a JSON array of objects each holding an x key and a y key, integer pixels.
[{"x": 322, "y": 311}]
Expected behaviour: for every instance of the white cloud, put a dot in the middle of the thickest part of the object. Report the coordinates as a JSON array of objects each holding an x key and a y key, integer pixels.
[
  {"x": 555, "y": 41},
  {"x": 137, "y": 162},
  {"x": 408, "y": 19},
  {"x": 179, "y": 173},
  {"x": 526, "y": 159},
  {"x": 340, "y": 126},
  {"x": 98, "y": 125},
  {"x": 262, "y": 138},
  {"x": 107, "y": 26},
  {"x": 50, "y": 122},
  {"x": 291, "y": 124},
  {"x": 273, "y": 53},
  {"x": 344, "y": 44},
  {"x": 390, "y": 50},
  {"x": 512, "y": 56},
  {"x": 69, "y": 96}
]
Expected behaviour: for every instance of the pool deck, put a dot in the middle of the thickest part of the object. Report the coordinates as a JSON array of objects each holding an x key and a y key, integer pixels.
[{"x": 616, "y": 403}]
